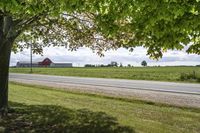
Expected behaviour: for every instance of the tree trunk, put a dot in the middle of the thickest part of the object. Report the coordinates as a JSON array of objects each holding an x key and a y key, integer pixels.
[
  {"x": 5, "y": 52},
  {"x": 7, "y": 37}
]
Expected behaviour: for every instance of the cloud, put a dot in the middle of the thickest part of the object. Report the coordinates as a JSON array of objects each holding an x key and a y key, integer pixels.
[{"x": 86, "y": 56}]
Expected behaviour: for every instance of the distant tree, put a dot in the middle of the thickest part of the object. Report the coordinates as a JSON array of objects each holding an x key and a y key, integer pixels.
[
  {"x": 89, "y": 65},
  {"x": 129, "y": 65},
  {"x": 144, "y": 63},
  {"x": 113, "y": 64},
  {"x": 121, "y": 65},
  {"x": 102, "y": 65}
]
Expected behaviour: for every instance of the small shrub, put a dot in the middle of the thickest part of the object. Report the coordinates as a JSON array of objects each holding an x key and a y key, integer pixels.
[
  {"x": 189, "y": 76},
  {"x": 183, "y": 76},
  {"x": 198, "y": 78}
]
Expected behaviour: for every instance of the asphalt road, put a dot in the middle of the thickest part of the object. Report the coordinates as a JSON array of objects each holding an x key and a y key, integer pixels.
[{"x": 180, "y": 88}]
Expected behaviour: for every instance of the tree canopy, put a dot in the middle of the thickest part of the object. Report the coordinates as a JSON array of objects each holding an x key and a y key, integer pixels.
[{"x": 157, "y": 25}]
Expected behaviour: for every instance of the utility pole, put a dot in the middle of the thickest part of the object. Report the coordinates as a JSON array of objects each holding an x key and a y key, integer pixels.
[{"x": 31, "y": 58}]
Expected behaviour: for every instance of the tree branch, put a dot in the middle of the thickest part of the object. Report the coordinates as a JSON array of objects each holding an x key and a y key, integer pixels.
[
  {"x": 23, "y": 24},
  {"x": 74, "y": 16}
]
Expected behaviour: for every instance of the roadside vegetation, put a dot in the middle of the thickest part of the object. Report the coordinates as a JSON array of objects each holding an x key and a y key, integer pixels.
[
  {"x": 175, "y": 74},
  {"x": 41, "y": 109}
]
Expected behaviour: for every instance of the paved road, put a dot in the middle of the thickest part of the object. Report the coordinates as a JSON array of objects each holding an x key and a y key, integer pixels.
[{"x": 181, "y": 88}]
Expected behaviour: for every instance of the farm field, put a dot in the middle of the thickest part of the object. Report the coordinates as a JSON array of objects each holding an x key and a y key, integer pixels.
[
  {"x": 41, "y": 109},
  {"x": 175, "y": 74}
]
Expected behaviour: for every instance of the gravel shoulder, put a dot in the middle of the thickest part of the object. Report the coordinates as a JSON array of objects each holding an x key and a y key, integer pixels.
[{"x": 186, "y": 100}]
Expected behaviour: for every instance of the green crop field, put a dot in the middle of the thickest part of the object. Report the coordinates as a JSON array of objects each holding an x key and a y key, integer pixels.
[
  {"x": 40, "y": 109},
  {"x": 177, "y": 74}
]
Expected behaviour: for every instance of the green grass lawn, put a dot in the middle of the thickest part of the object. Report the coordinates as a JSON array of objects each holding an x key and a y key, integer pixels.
[
  {"x": 38, "y": 109},
  {"x": 140, "y": 73}
]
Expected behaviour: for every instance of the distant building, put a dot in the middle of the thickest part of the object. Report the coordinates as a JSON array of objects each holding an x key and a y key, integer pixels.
[
  {"x": 45, "y": 63},
  {"x": 61, "y": 65},
  {"x": 26, "y": 64}
]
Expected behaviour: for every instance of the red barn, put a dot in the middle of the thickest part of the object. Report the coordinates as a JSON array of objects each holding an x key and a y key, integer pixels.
[{"x": 45, "y": 63}]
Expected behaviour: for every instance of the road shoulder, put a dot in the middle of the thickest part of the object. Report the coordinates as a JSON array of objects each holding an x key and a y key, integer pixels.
[{"x": 186, "y": 100}]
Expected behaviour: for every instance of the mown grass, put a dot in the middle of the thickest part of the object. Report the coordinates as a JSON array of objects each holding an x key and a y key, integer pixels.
[
  {"x": 39, "y": 109},
  {"x": 140, "y": 73}
]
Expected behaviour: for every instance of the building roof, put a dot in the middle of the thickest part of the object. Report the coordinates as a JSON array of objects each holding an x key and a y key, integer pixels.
[
  {"x": 26, "y": 62},
  {"x": 61, "y": 63}
]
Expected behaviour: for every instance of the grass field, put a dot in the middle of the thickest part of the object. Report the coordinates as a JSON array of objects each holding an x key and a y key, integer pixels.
[
  {"x": 38, "y": 109},
  {"x": 177, "y": 74}
]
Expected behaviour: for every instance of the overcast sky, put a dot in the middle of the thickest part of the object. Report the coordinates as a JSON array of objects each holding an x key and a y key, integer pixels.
[{"x": 86, "y": 56}]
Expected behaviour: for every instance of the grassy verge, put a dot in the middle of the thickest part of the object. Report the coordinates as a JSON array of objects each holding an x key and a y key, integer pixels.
[
  {"x": 177, "y": 74},
  {"x": 45, "y": 110}
]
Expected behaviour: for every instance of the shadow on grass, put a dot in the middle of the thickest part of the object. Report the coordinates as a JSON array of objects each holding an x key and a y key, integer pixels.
[{"x": 56, "y": 119}]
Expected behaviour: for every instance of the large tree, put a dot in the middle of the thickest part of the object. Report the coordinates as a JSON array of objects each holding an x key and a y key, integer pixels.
[{"x": 157, "y": 25}]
